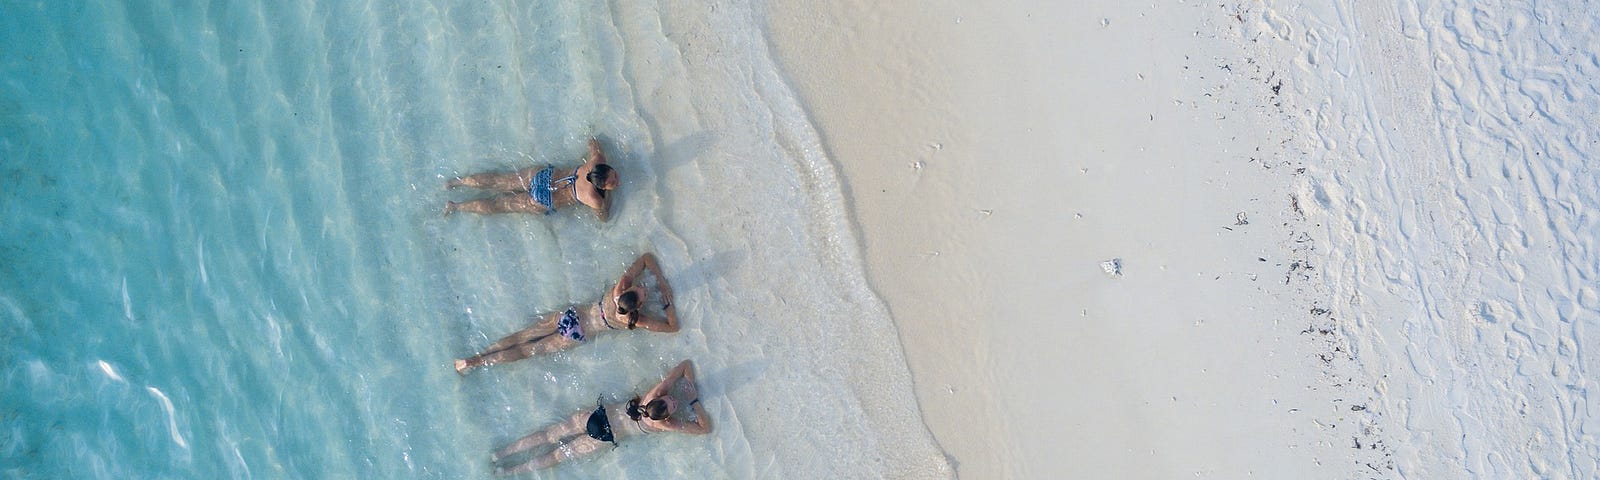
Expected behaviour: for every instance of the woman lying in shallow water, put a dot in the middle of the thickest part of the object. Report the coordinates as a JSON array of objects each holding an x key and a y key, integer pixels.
[
  {"x": 543, "y": 190},
  {"x": 617, "y": 310},
  {"x": 586, "y": 432}
]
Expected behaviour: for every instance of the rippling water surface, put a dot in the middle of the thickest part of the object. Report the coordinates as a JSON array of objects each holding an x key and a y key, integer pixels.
[{"x": 223, "y": 254}]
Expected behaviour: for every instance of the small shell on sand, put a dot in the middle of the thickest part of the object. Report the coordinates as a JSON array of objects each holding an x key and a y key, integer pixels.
[{"x": 1113, "y": 267}]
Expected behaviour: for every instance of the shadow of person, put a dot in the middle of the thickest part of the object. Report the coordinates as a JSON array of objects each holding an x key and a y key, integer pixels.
[
  {"x": 702, "y": 272},
  {"x": 733, "y": 378},
  {"x": 683, "y": 151}
]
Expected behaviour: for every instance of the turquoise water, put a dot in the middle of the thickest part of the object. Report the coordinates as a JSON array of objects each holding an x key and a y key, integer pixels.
[{"x": 222, "y": 254}]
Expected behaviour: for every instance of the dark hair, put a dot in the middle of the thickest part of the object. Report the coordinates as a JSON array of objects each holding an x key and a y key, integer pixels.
[
  {"x": 628, "y": 303},
  {"x": 633, "y": 409},
  {"x": 656, "y": 409},
  {"x": 599, "y": 174}
]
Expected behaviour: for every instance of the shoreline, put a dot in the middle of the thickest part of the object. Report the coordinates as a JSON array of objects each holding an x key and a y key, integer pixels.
[
  {"x": 837, "y": 25},
  {"x": 1124, "y": 132}
]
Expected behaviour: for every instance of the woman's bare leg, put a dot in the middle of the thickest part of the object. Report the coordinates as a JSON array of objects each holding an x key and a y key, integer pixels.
[
  {"x": 502, "y": 203},
  {"x": 505, "y": 182},
  {"x": 542, "y": 325},
  {"x": 549, "y": 437},
  {"x": 513, "y": 347},
  {"x": 541, "y": 346},
  {"x": 581, "y": 447},
  {"x": 508, "y": 355}
]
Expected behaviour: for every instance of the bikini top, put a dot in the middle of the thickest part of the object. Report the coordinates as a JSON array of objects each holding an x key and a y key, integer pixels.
[{"x": 571, "y": 180}]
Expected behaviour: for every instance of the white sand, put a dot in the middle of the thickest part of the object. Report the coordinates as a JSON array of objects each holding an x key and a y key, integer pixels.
[
  {"x": 995, "y": 155},
  {"x": 1452, "y": 148}
]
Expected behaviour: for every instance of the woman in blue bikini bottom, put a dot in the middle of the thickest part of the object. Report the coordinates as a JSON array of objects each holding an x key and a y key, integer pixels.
[
  {"x": 542, "y": 190},
  {"x": 556, "y": 331},
  {"x": 621, "y": 309}
]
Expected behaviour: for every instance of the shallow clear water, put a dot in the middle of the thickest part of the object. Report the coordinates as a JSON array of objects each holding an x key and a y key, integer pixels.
[{"x": 222, "y": 254}]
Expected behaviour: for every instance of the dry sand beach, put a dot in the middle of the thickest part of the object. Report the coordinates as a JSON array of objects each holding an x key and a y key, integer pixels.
[{"x": 996, "y": 155}]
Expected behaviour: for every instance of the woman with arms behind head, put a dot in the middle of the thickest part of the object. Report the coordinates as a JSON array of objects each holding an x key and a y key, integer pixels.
[
  {"x": 543, "y": 190},
  {"x": 618, "y": 310},
  {"x": 662, "y": 409}
]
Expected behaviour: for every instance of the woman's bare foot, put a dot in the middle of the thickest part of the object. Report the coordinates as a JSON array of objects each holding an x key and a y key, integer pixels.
[
  {"x": 449, "y": 208},
  {"x": 462, "y": 366}
]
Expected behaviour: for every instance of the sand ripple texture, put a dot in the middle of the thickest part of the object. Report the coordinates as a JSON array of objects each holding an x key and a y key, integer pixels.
[{"x": 1452, "y": 148}]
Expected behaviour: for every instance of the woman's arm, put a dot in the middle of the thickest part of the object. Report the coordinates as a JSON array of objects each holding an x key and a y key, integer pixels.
[
  {"x": 604, "y": 212},
  {"x": 702, "y": 420},
  {"x": 667, "y": 305},
  {"x": 638, "y": 265},
  {"x": 658, "y": 324},
  {"x": 701, "y": 424},
  {"x": 671, "y": 321},
  {"x": 664, "y": 287},
  {"x": 663, "y": 387},
  {"x": 595, "y": 155},
  {"x": 661, "y": 279},
  {"x": 629, "y": 275}
]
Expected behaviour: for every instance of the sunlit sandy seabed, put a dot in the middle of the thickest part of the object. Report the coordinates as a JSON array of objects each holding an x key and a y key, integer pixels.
[{"x": 224, "y": 255}]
